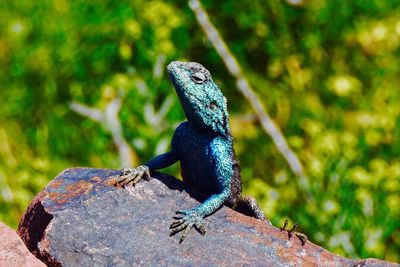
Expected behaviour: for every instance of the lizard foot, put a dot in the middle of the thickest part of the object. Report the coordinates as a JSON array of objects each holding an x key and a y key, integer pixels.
[
  {"x": 186, "y": 220},
  {"x": 292, "y": 231},
  {"x": 130, "y": 176}
]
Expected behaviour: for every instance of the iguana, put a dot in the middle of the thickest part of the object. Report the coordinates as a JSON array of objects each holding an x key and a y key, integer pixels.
[{"x": 204, "y": 146}]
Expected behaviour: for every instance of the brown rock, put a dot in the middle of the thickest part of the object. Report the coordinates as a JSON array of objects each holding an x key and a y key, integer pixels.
[
  {"x": 13, "y": 251},
  {"x": 79, "y": 219}
]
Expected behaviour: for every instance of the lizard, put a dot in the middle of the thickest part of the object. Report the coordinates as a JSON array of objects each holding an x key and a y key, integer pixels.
[{"x": 204, "y": 146}]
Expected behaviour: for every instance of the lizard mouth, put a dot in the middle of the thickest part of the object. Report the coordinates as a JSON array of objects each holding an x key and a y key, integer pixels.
[
  {"x": 178, "y": 75},
  {"x": 173, "y": 67},
  {"x": 173, "y": 70}
]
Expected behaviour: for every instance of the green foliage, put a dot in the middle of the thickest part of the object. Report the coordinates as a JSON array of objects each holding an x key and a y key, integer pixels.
[{"x": 326, "y": 70}]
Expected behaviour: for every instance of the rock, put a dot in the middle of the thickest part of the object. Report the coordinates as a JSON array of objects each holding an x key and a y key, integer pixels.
[
  {"x": 79, "y": 219},
  {"x": 13, "y": 251}
]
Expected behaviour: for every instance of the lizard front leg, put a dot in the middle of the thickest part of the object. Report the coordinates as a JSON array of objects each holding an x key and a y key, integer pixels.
[
  {"x": 187, "y": 219},
  {"x": 129, "y": 176},
  {"x": 221, "y": 170}
]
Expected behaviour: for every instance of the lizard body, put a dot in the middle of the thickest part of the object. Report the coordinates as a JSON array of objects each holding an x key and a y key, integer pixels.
[{"x": 204, "y": 146}]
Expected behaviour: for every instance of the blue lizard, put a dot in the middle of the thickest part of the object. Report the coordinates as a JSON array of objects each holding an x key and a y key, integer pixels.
[{"x": 204, "y": 146}]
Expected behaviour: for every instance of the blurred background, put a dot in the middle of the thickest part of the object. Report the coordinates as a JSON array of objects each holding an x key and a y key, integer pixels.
[{"x": 326, "y": 71}]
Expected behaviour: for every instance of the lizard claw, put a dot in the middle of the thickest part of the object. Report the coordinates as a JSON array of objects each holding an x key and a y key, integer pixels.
[
  {"x": 302, "y": 237},
  {"x": 283, "y": 228},
  {"x": 130, "y": 176},
  {"x": 189, "y": 220}
]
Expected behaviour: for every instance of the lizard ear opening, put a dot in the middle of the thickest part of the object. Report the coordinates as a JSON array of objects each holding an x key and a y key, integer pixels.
[
  {"x": 199, "y": 77},
  {"x": 213, "y": 105}
]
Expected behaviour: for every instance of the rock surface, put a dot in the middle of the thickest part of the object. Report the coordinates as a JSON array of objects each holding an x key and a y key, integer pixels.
[
  {"x": 13, "y": 251},
  {"x": 79, "y": 219}
]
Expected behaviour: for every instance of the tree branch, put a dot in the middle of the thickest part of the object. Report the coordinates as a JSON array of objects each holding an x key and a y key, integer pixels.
[{"x": 110, "y": 121}]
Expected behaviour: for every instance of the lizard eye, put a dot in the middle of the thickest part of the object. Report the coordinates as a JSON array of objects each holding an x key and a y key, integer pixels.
[{"x": 199, "y": 77}]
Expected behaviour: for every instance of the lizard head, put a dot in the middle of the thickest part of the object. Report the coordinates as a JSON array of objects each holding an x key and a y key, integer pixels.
[{"x": 202, "y": 101}]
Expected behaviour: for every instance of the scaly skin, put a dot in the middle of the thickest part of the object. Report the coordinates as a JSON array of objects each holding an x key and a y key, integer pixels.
[{"x": 204, "y": 146}]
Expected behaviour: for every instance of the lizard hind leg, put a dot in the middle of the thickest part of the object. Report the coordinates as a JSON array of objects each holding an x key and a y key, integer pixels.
[
  {"x": 302, "y": 237},
  {"x": 247, "y": 205}
]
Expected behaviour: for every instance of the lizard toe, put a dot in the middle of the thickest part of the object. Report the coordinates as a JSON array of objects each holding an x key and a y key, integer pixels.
[
  {"x": 190, "y": 219},
  {"x": 129, "y": 176}
]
